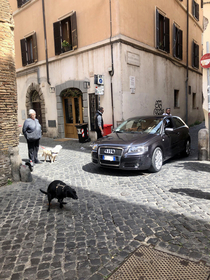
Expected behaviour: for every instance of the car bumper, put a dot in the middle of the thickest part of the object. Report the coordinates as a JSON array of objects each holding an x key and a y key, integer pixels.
[{"x": 127, "y": 162}]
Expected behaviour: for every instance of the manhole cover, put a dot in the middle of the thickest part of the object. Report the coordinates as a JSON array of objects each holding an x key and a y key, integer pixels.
[{"x": 149, "y": 264}]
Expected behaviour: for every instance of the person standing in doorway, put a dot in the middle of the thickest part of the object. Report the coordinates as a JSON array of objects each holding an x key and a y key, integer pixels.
[
  {"x": 168, "y": 112},
  {"x": 99, "y": 123},
  {"x": 32, "y": 132}
]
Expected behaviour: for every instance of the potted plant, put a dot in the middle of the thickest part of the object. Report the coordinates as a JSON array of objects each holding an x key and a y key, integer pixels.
[{"x": 66, "y": 46}]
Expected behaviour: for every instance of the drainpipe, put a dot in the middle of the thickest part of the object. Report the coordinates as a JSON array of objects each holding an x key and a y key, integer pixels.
[
  {"x": 45, "y": 39},
  {"x": 111, "y": 73},
  {"x": 187, "y": 64}
]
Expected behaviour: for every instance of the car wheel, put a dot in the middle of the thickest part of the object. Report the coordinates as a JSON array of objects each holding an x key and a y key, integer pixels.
[
  {"x": 157, "y": 160},
  {"x": 187, "y": 149}
]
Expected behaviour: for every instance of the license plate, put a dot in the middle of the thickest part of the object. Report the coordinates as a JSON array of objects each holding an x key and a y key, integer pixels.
[{"x": 110, "y": 158}]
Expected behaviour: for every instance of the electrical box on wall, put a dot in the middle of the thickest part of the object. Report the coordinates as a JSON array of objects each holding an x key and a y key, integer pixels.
[{"x": 98, "y": 79}]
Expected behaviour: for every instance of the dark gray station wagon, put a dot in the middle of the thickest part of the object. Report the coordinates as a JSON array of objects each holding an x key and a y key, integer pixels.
[{"x": 142, "y": 143}]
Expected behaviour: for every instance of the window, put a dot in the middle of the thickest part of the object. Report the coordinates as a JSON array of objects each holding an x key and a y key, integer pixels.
[
  {"x": 93, "y": 101},
  {"x": 177, "y": 45},
  {"x": 202, "y": 4},
  {"x": 194, "y": 101},
  {"x": 176, "y": 98},
  {"x": 65, "y": 30},
  {"x": 195, "y": 55},
  {"x": 195, "y": 9},
  {"x": 162, "y": 32},
  {"x": 29, "y": 50},
  {"x": 20, "y": 3}
]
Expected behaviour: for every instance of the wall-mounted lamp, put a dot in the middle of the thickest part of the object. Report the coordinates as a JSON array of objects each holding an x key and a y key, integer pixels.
[{"x": 86, "y": 84}]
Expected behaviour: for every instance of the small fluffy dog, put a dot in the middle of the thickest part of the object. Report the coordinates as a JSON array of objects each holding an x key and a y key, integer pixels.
[
  {"x": 58, "y": 189},
  {"x": 51, "y": 153}
]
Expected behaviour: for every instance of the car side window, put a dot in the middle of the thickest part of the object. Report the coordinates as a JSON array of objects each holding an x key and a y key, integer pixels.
[
  {"x": 178, "y": 122},
  {"x": 168, "y": 123}
]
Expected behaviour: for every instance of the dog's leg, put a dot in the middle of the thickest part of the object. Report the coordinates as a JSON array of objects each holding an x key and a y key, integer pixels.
[
  {"x": 49, "y": 199},
  {"x": 61, "y": 202}
]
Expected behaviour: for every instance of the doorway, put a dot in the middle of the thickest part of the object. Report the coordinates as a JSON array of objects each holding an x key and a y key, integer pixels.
[
  {"x": 36, "y": 106},
  {"x": 72, "y": 108}
]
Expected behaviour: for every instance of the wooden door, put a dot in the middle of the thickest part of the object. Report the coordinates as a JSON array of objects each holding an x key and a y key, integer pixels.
[{"x": 72, "y": 108}]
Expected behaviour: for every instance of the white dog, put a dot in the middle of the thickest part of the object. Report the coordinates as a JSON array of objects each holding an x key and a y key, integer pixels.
[{"x": 51, "y": 153}]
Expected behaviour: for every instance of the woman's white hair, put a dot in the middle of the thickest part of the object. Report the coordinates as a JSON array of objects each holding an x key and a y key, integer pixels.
[{"x": 31, "y": 111}]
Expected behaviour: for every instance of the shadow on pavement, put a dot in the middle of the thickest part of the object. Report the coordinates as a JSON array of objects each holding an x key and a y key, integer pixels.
[
  {"x": 194, "y": 166},
  {"x": 192, "y": 193},
  {"x": 92, "y": 168}
]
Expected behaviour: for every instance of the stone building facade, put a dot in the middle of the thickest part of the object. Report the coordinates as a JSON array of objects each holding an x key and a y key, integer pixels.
[{"x": 8, "y": 97}]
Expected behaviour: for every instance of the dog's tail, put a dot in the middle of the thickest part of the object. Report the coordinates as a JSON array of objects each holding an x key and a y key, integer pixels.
[{"x": 43, "y": 191}]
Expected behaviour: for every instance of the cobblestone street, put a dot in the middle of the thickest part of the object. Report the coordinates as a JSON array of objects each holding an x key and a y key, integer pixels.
[{"x": 116, "y": 212}]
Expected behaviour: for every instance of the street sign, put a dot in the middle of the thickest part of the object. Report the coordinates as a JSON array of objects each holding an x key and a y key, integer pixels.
[{"x": 205, "y": 60}]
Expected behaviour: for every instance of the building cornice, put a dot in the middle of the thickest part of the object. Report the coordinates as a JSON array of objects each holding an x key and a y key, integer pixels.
[{"x": 117, "y": 39}]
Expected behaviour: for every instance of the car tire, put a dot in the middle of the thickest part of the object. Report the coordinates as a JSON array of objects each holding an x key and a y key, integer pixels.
[
  {"x": 186, "y": 151},
  {"x": 157, "y": 160}
]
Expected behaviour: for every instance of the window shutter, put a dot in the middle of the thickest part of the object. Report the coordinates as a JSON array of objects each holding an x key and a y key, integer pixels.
[
  {"x": 202, "y": 4},
  {"x": 196, "y": 56},
  {"x": 197, "y": 11},
  {"x": 193, "y": 54},
  {"x": 23, "y": 51},
  {"x": 193, "y": 7},
  {"x": 57, "y": 37},
  {"x": 19, "y": 3},
  {"x": 180, "y": 43},
  {"x": 174, "y": 40},
  {"x": 35, "y": 50},
  {"x": 74, "y": 31},
  {"x": 167, "y": 43},
  {"x": 157, "y": 30}
]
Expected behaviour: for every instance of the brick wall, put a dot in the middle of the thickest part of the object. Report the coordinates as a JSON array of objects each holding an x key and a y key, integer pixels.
[{"x": 8, "y": 95}]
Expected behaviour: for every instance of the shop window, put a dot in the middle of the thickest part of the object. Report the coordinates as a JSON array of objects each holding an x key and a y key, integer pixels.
[
  {"x": 195, "y": 55},
  {"x": 93, "y": 105},
  {"x": 162, "y": 32},
  {"x": 20, "y": 3},
  {"x": 29, "y": 50},
  {"x": 65, "y": 34},
  {"x": 177, "y": 42},
  {"x": 176, "y": 98},
  {"x": 195, "y": 9}
]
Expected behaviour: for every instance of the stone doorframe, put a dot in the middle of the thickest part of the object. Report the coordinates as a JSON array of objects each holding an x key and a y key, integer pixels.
[
  {"x": 58, "y": 90},
  {"x": 35, "y": 87}
]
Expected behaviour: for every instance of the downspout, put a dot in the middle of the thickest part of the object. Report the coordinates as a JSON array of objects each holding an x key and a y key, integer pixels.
[
  {"x": 45, "y": 39},
  {"x": 111, "y": 73},
  {"x": 187, "y": 64}
]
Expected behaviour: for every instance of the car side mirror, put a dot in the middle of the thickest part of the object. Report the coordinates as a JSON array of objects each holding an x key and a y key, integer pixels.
[{"x": 168, "y": 130}]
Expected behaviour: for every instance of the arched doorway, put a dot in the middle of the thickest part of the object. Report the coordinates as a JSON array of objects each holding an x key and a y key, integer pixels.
[
  {"x": 36, "y": 105},
  {"x": 72, "y": 111}
]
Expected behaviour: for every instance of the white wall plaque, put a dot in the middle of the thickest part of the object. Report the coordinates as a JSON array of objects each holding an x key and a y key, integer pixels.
[
  {"x": 132, "y": 82},
  {"x": 133, "y": 59}
]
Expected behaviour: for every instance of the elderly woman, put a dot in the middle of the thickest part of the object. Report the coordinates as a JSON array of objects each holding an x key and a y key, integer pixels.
[{"x": 32, "y": 132}]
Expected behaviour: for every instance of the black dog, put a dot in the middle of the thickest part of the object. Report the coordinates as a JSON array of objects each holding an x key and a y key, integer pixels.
[{"x": 58, "y": 189}]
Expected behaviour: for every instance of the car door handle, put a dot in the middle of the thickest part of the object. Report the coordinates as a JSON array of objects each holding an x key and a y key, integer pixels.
[{"x": 177, "y": 133}]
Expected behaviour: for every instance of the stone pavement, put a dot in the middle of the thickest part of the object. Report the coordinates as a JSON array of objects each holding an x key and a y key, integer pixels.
[{"x": 116, "y": 212}]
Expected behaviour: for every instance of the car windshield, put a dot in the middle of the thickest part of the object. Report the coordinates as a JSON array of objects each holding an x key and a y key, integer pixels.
[{"x": 141, "y": 125}]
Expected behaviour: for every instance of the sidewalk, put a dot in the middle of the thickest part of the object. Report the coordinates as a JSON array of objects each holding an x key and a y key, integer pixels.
[{"x": 116, "y": 214}]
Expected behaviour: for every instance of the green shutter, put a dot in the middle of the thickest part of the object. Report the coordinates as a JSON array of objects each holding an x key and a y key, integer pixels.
[
  {"x": 57, "y": 37},
  {"x": 23, "y": 51},
  {"x": 74, "y": 31}
]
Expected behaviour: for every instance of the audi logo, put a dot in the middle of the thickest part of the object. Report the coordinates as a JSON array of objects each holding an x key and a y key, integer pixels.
[{"x": 109, "y": 151}]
